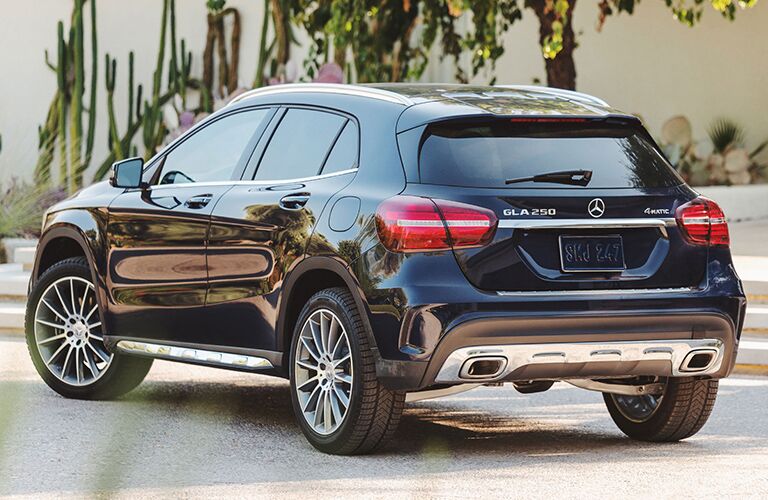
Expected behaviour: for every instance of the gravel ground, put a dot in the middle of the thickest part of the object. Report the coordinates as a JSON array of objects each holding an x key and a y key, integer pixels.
[{"x": 200, "y": 432}]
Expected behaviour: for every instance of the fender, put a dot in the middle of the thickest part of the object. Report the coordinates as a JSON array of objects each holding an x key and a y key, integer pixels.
[
  {"x": 327, "y": 263},
  {"x": 85, "y": 227}
]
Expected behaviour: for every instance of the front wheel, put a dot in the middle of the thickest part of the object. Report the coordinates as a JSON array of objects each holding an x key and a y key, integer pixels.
[
  {"x": 678, "y": 413},
  {"x": 339, "y": 404},
  {"x": 65, "y": 337}
]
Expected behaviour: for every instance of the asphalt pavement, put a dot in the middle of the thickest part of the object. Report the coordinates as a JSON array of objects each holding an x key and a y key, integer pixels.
[{"x": 200, "y": 432}]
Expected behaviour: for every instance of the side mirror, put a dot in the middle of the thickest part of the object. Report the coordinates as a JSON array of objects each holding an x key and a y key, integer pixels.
[{"x": 127, "y": 173}]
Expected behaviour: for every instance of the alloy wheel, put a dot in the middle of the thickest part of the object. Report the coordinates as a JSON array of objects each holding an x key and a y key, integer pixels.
[
  {"x": 68, "y": 332},
  {"x": 638, "y": 409},
  {"x": 323, "y": 371}
]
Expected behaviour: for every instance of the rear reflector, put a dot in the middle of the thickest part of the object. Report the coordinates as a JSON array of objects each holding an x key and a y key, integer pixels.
[
  {"x": 703, "y": 222},
  {"x": 415, "y": 224}
]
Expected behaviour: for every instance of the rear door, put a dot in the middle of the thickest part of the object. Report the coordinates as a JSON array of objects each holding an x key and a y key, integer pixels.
[
  {"x": 157, "y": 276},
  {"x": 260, "y": 228},
  {"x": 616, "y": 231}
]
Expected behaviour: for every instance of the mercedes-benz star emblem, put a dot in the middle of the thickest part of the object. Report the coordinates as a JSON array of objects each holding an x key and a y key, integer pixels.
[{"x": 596, "y": 208}]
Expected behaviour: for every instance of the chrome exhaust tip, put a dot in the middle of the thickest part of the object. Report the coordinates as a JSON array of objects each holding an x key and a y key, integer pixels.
[
  {"x": 483, "y": 367},
  {"x": 698, "y": 360}
]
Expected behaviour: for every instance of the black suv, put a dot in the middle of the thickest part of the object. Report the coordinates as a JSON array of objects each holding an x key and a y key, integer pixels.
[{"x": 389, "y": 243}]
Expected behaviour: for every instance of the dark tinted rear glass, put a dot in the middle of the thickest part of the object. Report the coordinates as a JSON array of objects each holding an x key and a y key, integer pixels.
[{"x": 485, "y": 155}]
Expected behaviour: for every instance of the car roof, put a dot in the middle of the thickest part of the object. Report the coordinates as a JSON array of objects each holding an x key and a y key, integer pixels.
[{"x": 428, "y": 102}]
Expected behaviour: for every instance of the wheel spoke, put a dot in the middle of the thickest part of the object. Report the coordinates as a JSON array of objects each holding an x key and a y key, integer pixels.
[
  {"x": 78, "y": 366},
  {"x": 307, "y": 382},
  {"x": 341, "y": 396},
  {"x": 48, "y": 323},
  {"x": 51, "y": 339},
  {"x": 337, "y": 362},
  {"x": 333, "y": 335},
  {"x": 66, "y": 362},
  {"x": 90, "y": 364},
  {"x": 97, "y": 337},
  {"x": 317, "y": 337},
  {"x": 94, "y": 325},
  {"x": 106, "y": 360},
  {"x": 310, "y": 349},
  {"x": 337, "y": 415},
  {"x": 327, "y": 411},
  {"x": 307, "y": 365},
  {"x": 54, "y": 311},
  {"x": 309, "y": 399},
  {"x": 56, "y": 353},
  {"x": 82, "y": 301},
  {"x": 90, "y": 313},
  {"x": 324, "y": 331},
  {"x": 72, "y": 295},
  {"x": 343, "y": 377},
  {"x": 61, "y": 300}
]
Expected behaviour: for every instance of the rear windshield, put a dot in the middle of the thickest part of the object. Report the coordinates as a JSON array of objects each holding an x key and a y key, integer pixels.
[{"x": 486, "y": 155}]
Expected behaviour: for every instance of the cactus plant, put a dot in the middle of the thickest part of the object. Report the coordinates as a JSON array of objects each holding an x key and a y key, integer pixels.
[{"x": 74, "y": 152}]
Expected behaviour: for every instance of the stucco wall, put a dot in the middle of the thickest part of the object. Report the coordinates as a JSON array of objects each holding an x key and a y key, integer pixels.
[{"x": 646, "y": 63}]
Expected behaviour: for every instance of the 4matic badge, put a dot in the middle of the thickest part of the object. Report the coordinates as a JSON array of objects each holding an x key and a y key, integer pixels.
[{"x": 656, "y": 211}]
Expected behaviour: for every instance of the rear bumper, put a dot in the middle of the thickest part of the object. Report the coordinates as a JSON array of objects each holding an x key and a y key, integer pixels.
[{"x": 561, "y": 346}]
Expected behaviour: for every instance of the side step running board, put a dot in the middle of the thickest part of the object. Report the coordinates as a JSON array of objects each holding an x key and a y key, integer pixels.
[{"x": 193, "y": 355}]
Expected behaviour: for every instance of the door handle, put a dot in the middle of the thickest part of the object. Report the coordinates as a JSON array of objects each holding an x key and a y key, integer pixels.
[
  {"x": 199, "y": 201},
  {"x": 294, "y": 201}
]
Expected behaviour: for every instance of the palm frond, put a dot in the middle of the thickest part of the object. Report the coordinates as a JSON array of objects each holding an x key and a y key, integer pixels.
[{"x": 724, "y": 133}]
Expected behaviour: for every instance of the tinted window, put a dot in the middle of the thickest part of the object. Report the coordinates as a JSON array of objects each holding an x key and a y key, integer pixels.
[
  {"x": 487, "y": 155},
  {"x": 344, "y": 153},
  {"x": 299, "y": 145},
  {"x": 212, "y": 153}
]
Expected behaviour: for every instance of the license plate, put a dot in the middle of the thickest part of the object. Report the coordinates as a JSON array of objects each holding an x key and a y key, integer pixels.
[{"x": 591, "y": 253}]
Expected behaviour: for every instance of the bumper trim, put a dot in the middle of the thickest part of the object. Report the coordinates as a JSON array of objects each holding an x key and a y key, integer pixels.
[
  {"x": 593, "y": 359},
  {"x": 614, "y": 291}
]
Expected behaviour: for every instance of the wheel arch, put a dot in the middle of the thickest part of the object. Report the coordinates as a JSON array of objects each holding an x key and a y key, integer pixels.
[{"x": 308, "y": 277}]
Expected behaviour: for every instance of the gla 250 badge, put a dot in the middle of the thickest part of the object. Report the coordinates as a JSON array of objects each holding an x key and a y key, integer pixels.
[{"x": 532, "y": 211}]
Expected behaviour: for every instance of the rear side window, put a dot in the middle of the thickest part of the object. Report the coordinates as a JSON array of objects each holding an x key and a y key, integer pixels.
[
  {"x": 300, "y": 145},
  {"x": 214, "y": 152},
  {"x": 343, "y": 156},
  {"x": 486, "y": 155}
]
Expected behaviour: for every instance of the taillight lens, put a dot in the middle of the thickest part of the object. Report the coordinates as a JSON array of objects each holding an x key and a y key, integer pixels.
[
  {"x": 415, "y": 224},
  {"x": 703, "y": 222}
]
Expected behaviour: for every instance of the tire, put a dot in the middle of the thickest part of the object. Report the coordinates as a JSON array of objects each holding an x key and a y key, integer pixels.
[
  {"x": 63, "y": 322},
  {"x": 682, "y": 411},
  {"x": 372, "y": 412}
]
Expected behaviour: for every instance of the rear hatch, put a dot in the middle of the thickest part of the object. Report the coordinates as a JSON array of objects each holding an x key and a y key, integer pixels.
[{"x": 608, "y": 223}]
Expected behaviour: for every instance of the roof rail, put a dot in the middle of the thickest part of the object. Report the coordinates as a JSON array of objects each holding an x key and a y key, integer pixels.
[
  {"x": 568, "y": 94},
  {"x": 325, "y": 88}
]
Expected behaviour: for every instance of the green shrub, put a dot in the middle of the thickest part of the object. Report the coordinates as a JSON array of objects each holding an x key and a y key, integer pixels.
[{"x": 22, "y": 207}]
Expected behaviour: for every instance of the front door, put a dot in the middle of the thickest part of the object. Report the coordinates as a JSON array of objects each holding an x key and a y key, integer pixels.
[{"x": 157, "y": 274}]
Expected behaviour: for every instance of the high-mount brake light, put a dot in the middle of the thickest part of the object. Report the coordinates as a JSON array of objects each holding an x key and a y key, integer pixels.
[
  {"x": 547, "y": 120},
  {"x": 415, "y": 224},
  {"x": 703, "y": 222}
]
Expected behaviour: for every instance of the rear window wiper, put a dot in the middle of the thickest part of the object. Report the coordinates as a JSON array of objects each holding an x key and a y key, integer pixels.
[{"x": 574, "y": 177}]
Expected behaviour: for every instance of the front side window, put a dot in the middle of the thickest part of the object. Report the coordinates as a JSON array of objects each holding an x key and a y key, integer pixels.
[
  {"x": 300, "y": 145},
  {"x": 214, "y": 152}
]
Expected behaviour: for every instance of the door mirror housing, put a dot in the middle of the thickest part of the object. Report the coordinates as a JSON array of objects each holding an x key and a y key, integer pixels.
[{"x": 127, "y": 173}]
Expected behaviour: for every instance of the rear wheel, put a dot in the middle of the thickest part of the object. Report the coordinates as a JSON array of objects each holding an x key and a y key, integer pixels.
[
  {"x": 65, "y": 337},
  {"x": 678, "y": 413},
  {"x": 339, "y": 404}
]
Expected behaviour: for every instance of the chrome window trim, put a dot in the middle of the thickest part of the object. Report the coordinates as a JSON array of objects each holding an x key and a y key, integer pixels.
[
  {"x": 615, "y": 291},
  {"x": 325, "y": 88},
  {"x": 252, "y": 182},
  {"x": 661, "y": 224}
]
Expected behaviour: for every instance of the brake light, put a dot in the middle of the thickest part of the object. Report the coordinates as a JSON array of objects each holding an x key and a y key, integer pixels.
[
  {"x": 415, "y": 224},
  {"x": 703, "y": 222}
]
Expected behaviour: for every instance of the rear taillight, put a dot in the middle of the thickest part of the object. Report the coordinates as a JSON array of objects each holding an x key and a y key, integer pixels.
[
  {"x": 414, "y": 224},
  {"x": 703, "y": 222}
]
